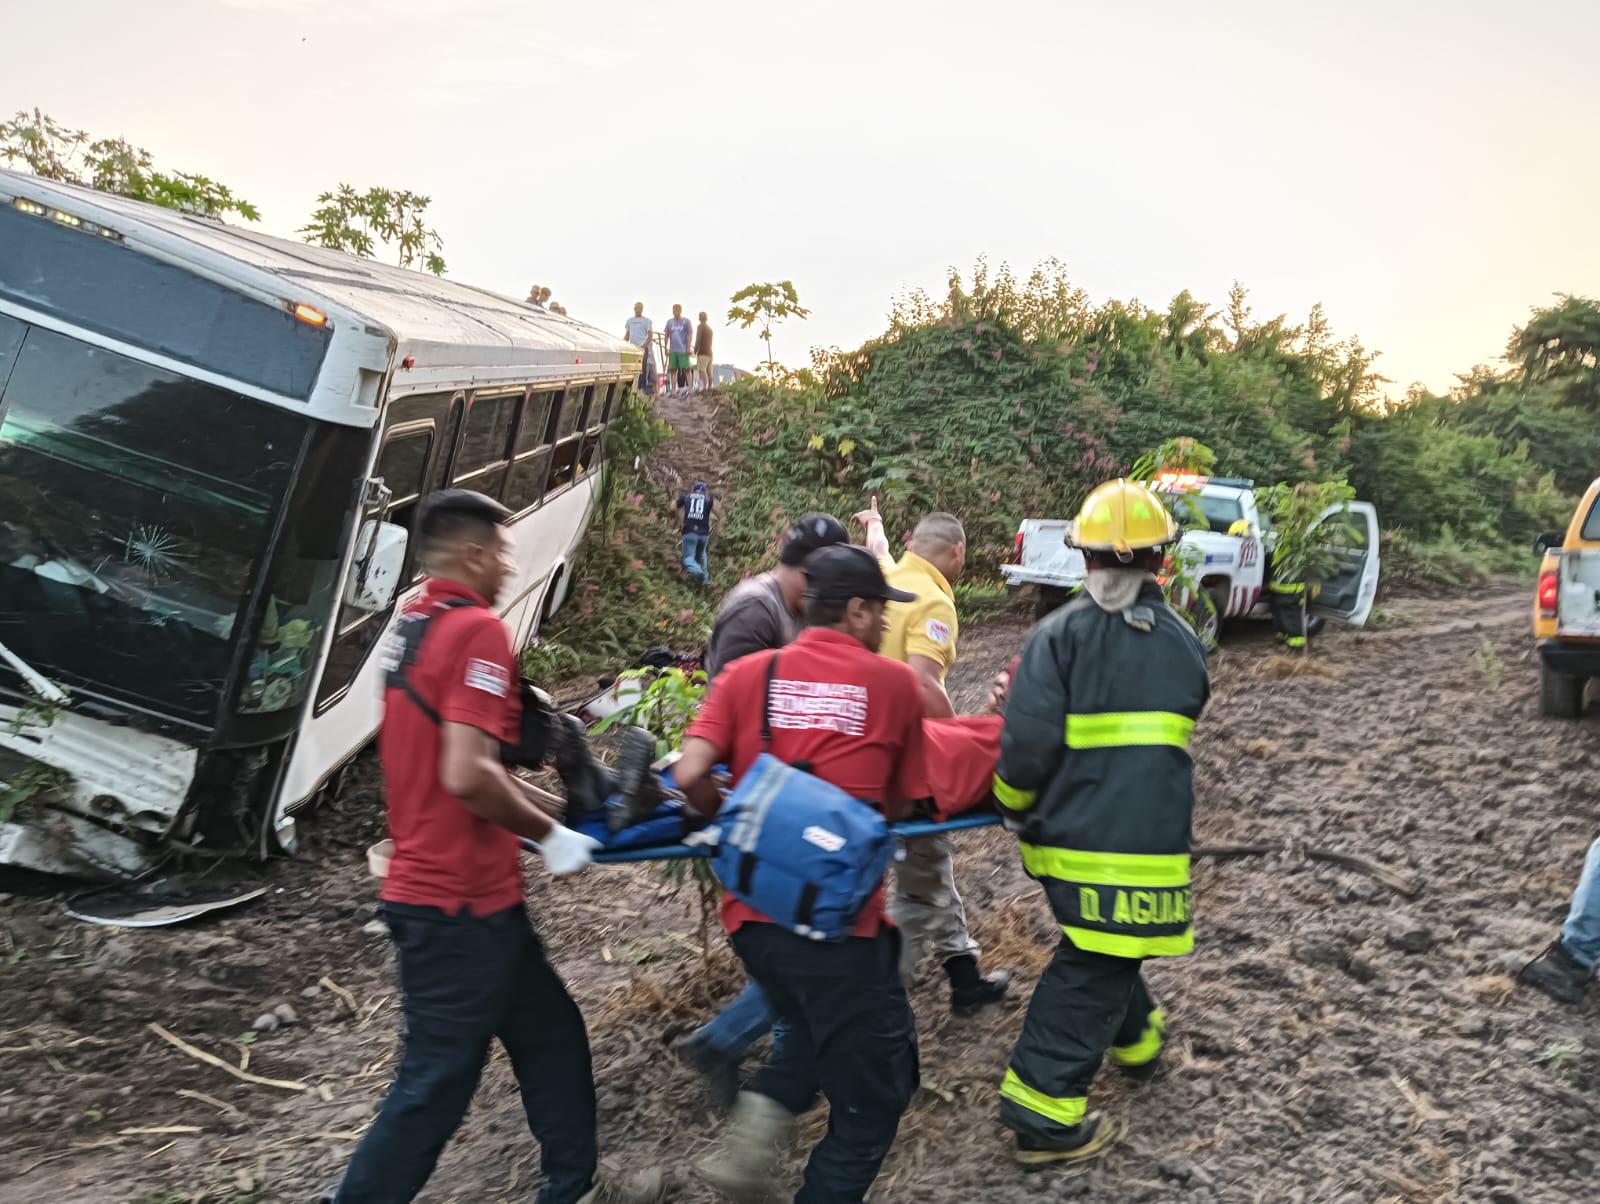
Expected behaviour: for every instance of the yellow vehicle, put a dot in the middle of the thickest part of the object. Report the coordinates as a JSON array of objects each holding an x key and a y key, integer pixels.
[{"x": 1566, "y": 612}]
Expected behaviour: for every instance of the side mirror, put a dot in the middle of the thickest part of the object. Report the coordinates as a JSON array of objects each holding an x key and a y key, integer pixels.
[
  {"x": 381, "y": 555},
  {"x": 1240, "y": 527},
  {"x": 1548, "y": 542}
]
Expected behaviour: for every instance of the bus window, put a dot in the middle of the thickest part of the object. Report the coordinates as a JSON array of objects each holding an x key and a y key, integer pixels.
[
  {"x": 447, "y": 445},
  {"x": 535, "y": 428},
  {"x": 135, "y": 508},
  {"x": 302, "y": 584},
  {"x": 485, "y": 441},
  {"x": 528, "y": 476},
  {"x": 109, "y": 287},
  {"x": 573, "y": 407},
  {"x": 525, "y": 485},
  {"x": 402, "y": 465},
  {"x": 563, "y": 466}
]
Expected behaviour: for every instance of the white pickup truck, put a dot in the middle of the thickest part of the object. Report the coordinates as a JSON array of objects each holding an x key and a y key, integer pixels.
[{"x": 1233, "y": 551}]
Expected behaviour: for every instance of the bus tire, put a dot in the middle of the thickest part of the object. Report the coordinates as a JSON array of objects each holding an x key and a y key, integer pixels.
[{"x": 1560, "y": 694}]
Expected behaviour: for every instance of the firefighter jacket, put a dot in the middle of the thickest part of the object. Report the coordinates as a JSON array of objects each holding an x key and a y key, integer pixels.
[{"x": 1095, "y": 774}]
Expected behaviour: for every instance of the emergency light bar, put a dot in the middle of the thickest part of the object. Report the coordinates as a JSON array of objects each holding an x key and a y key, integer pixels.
[
  {"x": 62, "y": 218},
  {"x": 1182, "y": 482}
]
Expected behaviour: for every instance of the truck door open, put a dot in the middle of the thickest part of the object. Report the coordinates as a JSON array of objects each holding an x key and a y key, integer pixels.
[{"x": 1348, "y": 592}]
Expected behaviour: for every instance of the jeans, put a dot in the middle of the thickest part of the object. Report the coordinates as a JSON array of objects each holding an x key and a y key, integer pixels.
[
  {"x": 848, "y": 1034},
  {"x": 465, "y": 981},
  {"x": 732, "y": 1031},
  {"x": 695, "y": 548},
  {"x": 1581, "y": 933}
]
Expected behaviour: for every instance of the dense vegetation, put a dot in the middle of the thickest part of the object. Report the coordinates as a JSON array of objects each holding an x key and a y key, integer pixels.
[{"x": 1007, "y": 398}]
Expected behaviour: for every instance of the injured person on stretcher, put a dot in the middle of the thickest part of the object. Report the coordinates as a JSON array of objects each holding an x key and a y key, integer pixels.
[{"x": 634, "y": 803}]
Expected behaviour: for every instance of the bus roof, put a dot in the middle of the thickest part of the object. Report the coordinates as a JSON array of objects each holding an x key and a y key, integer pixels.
[{"x": 440, "y": 321}]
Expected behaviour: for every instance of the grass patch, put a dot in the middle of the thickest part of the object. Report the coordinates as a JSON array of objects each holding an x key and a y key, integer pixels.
[{"x": 1451, "y": 563}]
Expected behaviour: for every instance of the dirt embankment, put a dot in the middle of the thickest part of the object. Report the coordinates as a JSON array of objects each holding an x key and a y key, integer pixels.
[{"x": 1331, "y": 1040}]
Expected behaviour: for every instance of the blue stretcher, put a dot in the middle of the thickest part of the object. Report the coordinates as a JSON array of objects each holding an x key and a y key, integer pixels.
[{"x": 660, "y": 838}]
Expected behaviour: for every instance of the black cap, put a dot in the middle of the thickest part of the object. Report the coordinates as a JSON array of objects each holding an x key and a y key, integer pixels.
[
  {"x": 810, "y": 533},
  {"x": 847, "y": 571}
]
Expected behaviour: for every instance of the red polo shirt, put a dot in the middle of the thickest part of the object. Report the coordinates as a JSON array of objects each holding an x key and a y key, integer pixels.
[
  {"x": 856, "y": 717},
  {"x": 445, "y": 856}
]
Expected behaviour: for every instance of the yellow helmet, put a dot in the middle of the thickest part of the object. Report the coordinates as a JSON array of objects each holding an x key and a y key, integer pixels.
[{"x": 1121, "y": 516}]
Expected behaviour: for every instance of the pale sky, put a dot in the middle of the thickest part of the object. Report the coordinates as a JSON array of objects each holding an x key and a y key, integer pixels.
[{"x": 1423, "y": 169}]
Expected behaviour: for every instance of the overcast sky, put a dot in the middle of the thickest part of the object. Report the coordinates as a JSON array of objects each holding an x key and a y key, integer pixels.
[{"x": 1423, "y": 169}]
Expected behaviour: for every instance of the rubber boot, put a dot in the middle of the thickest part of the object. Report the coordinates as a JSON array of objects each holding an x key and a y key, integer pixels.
[
  {"x": 745, "y": 1168},
  {"x": 642, "y": 1187},
  {"x": 1557, "y": 973},
  {"x": 971, "y": 990},
  {"x": 638, "y": 790},
  {"x": 586, "y": 783},
  {"x": 1089, "y": 1138}
]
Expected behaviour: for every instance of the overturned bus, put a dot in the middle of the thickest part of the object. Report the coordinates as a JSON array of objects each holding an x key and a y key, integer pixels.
[{"x": 212, "y": 447}]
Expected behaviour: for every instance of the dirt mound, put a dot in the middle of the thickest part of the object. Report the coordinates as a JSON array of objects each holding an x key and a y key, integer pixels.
[
  {"x": 1331, "y": 1040},
  {"x": 704, "y": 442}
]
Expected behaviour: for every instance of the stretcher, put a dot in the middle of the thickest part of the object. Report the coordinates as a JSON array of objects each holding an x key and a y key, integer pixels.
[{"x": 626, "y": 850}]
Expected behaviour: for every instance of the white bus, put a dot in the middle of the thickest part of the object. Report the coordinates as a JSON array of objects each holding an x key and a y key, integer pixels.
[{"x": 212, "y": 444}]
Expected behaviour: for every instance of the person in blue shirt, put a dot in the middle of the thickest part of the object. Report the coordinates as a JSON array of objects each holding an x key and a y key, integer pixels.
[
  {"x": 680, "y": 338},
  {"x": 696, "y": 507}
]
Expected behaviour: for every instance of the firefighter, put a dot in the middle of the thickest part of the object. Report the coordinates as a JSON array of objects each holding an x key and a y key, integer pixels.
[
  {"x": 1096, "y": 780},
  {"x": 1289, "y": 618}
]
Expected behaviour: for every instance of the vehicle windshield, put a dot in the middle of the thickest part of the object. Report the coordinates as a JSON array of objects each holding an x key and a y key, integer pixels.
[
  {"x": 1591, "y": 525},
  {"x": 135, "y": 506},
  {"x": 1193, "y": 507}
]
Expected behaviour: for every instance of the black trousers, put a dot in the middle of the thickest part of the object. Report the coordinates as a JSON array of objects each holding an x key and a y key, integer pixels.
[
  {"x": 465, "y": 982},
  {"x": 845, "y": 1030},
  {"x": 1085, "y": 1004}
]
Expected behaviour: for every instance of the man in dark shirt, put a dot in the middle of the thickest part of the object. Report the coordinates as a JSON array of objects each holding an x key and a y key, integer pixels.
[
  {"x": 696, "y": 506},
  {"x": 764, "y": 611},
  {"x": 471, "y": 967},
  {"x": 847, "y": 1027}
]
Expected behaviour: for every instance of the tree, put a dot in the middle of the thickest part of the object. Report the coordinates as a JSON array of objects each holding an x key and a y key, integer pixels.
[
  {"x": 357, "y": 222},
  {"x": 1302, "y": 549},
  {"x": 1561, "y": 345},
  {"x": 767, "y": 304},
  {"x": 53, "y": 151}
]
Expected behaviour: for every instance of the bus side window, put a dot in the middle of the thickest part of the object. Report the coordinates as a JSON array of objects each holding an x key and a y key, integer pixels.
[
  {"x": 447, "y": 446},
  {"x": 569, "y": 436},
  {"x": 486, "y": 442},
  {"x": 403, "y": 465},
  {"x": 525, "y": 486}
]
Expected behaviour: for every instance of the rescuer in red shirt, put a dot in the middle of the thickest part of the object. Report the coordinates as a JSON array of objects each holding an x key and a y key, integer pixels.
[
  {"x": 845, "y": 1026},
  {"x": 471, "y": 968}
]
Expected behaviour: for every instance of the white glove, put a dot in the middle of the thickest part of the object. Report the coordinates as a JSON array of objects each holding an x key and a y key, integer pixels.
[{"x": 566, "y": 852}]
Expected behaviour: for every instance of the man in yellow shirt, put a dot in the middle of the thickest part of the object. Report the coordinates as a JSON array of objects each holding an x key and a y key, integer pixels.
[{"x": 926, "y": 905}]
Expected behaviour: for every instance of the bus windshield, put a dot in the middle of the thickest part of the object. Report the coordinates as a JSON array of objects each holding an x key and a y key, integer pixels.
[{"x": 135, "y": 507}]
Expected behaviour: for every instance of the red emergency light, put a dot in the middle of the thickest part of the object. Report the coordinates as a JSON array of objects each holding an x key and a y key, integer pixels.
[{"x": 1179, "y": 482}]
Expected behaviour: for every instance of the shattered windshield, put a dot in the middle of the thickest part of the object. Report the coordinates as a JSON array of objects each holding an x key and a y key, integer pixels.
[{"x": 135, "y": 505}]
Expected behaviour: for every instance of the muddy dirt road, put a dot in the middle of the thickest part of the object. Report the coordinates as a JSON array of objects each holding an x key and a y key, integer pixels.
[{"x": 1332, "y": 1040}]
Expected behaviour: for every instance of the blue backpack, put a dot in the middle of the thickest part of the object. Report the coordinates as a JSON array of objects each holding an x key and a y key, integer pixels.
[{"x": 799, "y": 850}]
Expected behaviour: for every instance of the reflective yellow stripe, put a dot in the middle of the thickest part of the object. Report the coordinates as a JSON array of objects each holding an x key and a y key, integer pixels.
[
  {"x": 1115, "y": 944},
  {"x": 1062, "y": 1111},
  {"x": 1278, "y": 588},
  {"x": 1129, "y": 728},
  {"x": 1106, "y": 869},
  {"x": 1146, "y": 1047},
  {"x": 1010, "y": 797}
]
